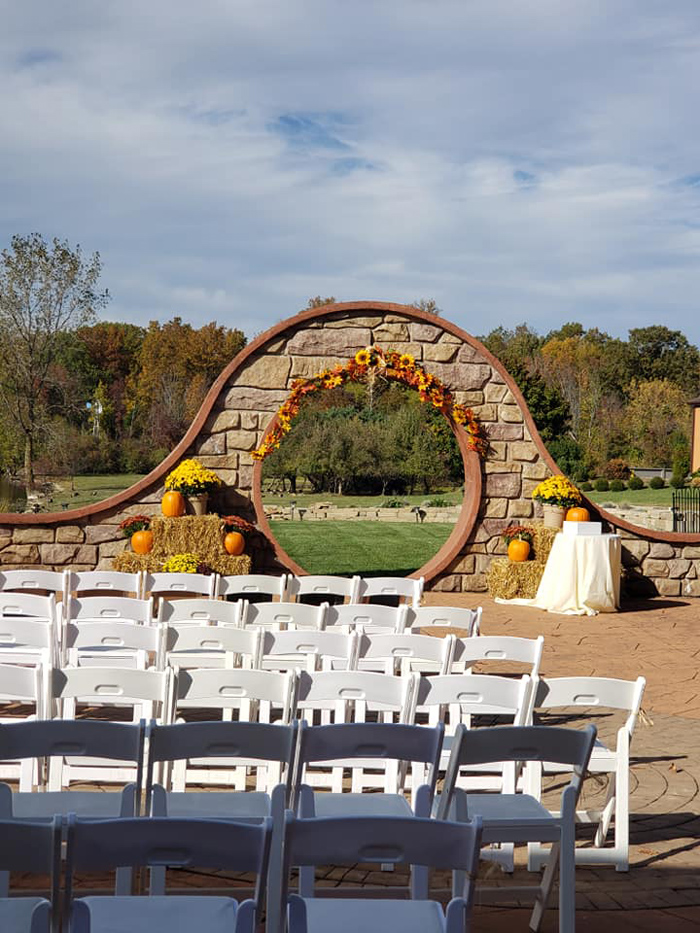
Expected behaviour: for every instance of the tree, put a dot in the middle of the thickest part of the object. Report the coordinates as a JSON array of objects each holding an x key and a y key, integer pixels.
[
  {"x": 659, "y": 353},
  {"x": 45, "y": 291},
  {"x": 657, "y": 420},
  {"x": 318, "y": 302},
  {"x": 427, "y": 304}
]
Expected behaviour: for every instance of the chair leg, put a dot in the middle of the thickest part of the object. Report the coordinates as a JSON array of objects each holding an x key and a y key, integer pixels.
[
  {"x": 567, "y": 871},
  {"x": 607, "y": 812},
  {"x": 545, "y": 890},
  {"x": 622, "y": 819}
]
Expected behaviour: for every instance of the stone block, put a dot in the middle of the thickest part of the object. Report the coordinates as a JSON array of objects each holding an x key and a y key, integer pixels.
[
  {"x": 537, "y": 471},
  {"x": 112, "y": 548},
  {"x": 463, "y": 376},
  {"x": 690, "y": 588},
  {"x": 59, "y": 554},
  {"x": 505, "y": 432},
  {"x": 386, "y": 335},
  {"x": 495, "y": 393},
  {"x": 308, "y": 367},
  {"x": 223, "y": 421},
  {"x": 96, "y": 534},
  {"x": 662, "y": 550},
  {"x": 33, "y": 535},
  {"x": 214, "y": 444},
  {"x": 20, "y": 554},
  {"x": 521, "y": 508},
  {"x": 242, "y": 440},
  {"x": 415, "y": 349},
  {"x": 668, "y": 587},
  {"x": 691, "y": 553},
  {"x": 511, "y": 414},
  {"x": 637, "y": 547},
  {"x": 241, "y": 398},
  {"x": 452, "y": 583},
  {"x": 506, "y": 485},
  {"x": 496, "y": 508},
  {"x": 486, "y": 412},
  {"x": 529, "y": 487},
  {"x": 250, "y": 421},
  {"x": 439, "y": 353},
  {"x": 655, "y": 568},
  {"x": 678, "y": 568},
  {"x": 66, "y": 534},
  {"x": 265, "y": 371},
  {"x": 472, "y": 397},
  {"x": 497, "y": 450},
  {"x": 447, "y": 337},
  {"x": 426, "y": 333},
  {"x": 345, "y": 341},
  {"x": 523, "y": 450},
  {"x": 245, "y": 477},
  {"x": 350, "y": 319},
  {"x": 466, "y": 564},
  {"x": 469, "y": 354},
  {"x": 229, "y": 477}
]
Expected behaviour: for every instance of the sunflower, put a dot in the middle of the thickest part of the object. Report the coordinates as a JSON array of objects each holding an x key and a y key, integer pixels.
[
  {"x": 406, "y": 361},
  {"x": 362, "y": 357}
]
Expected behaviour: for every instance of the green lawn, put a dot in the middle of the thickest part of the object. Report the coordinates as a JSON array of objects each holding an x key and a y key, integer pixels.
[
  {"x": 304, "y": 500},
  {"x": 90, "y": 489},
  {"x": 367, "y": 548},
  {"x": 660, "y": 497}
]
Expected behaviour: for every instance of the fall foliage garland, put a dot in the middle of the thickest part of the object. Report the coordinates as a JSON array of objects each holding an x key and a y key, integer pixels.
[{"x": 368, "y": 364}]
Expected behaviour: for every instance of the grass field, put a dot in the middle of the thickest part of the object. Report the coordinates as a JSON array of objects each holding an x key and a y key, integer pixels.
[
  {"x": 90, "y": 489},
  {"x": 658, "y": 497},
  {"x": 367, "y": 548},
  {"x": 304, "y": 500}
]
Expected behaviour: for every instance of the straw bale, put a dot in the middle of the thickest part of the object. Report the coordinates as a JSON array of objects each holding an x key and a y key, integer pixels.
[{"x": 509, "y": 579}]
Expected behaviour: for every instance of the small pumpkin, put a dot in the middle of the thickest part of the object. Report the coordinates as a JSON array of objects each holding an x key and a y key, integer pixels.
[
  {"x": 173, "y": 504},
  {"x": 234, "y": 542},
  {"x": 142, "y": 542},
  {"x": 578, "y": 514},
  {"x": 518, "y": 550}
]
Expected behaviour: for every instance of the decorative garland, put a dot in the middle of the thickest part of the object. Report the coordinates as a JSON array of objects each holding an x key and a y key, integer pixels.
[{"x": 369, "y": 364}]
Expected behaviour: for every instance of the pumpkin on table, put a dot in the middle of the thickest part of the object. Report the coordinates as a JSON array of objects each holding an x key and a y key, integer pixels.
[{"x": 578, "y": 514}]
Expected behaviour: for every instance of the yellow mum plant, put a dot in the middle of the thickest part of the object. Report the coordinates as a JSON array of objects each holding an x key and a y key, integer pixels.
[
  {"x": 557, "y": 490},
  {"x": 183, "y": 563},
  {"x": 192, "y": 479}
]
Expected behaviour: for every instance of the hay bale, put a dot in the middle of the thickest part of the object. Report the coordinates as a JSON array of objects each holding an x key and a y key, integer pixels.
[
  {"x": 542, "y": 541},
  {"x": 225, "y": 564},
  {"x": 507, "y": 579}
]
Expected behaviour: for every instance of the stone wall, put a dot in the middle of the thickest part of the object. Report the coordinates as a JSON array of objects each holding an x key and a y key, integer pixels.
[{"x": 243, "y": 401}]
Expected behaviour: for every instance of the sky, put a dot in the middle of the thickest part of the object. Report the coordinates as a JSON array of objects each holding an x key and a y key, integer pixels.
[{"x": 529, "y": 162}]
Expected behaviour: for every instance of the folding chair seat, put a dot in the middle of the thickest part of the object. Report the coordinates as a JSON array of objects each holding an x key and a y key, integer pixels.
[
  {"x": 199, "y": 646},
  {"x": 52, "y": 740},
  {"x": 327, "y": 697},
  {"x": 512, "y": 817},
  {"x": 29, "y": 630},
  {"x": 417, "y": 842},
  {"x": 402, "y": 653},
  {"x": 310, "y": 649},
  {"x": 317, "y": 589},
  {"x": 449, "y": 616},
  {"x": 255, "y": 587},
  {"x": 35, "y": 848},
  {"x": 370, "y": 619},
  {"x": 198, "y": 611},
  {"x": 165, "y": 585},
  {"x": 589, "y": 696},
  {"x": 117, "y": 644},
  {"x": 101, "y": 582},
  {"x": 97, "y": 845},
  {"x": 392, "y": 591},
  {"x": 283, "y": 616}
]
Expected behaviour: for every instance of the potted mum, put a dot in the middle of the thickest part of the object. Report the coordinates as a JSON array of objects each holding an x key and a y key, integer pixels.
[
  {"x": 518, "y": 538},
  {"x": 235, "y": 531},
  {"x": 195, "y": 482},
  {"x": 557, "y": 494}
]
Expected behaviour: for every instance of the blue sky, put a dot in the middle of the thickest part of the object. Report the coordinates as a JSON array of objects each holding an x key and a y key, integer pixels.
[{"x": 534, "y": 162}]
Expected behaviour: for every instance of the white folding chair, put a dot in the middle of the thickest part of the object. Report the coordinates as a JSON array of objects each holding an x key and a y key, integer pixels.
[
  {"x": 367, "y": 619},
  {"x": 317, "y": 589},
  {"x": 513, "y": 818},
  {"x": 200, "y": 612},
  {"x": 449, "y": 616},
  {"x": 392, "y": 591},
  {"x": 40, "y": 582},
  {"x": 104, "y": 609},
  {"x": 309, "y": 649},
  {"x": 117, "y": 644},
  {"x": 105, "y": 845},
  {"x": 589, "y": 696},
  {"x": 255, "y": 587},
  {"x": 29, "y": 629},
  {"x": 403, "y": 653},
  {"x": 284, "y": 616},
  {"x": 33, "y": 848},
  {"x": 499, "y": 649},
  {"x": 200, "y": 646},
  {"x": 20, "y": 686},
  {"x": 417, "y": 842},
  {"x": 164, "y": 585},
  {"x": 37, "y": 741},
  {"x": 101, "y": 582}
]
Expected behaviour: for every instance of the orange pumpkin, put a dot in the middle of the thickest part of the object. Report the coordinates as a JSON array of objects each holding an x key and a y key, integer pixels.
[
  {"x": 518, "y": 550},
  {"x": 173, "y": 504},
  {"x": 578, "y": 514},
  {"x": 234, "y": 542},
  {"x": 142, "y": 542}
]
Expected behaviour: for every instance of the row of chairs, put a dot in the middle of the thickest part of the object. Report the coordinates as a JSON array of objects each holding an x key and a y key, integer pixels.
[
  {"x": 254, "y": 587},
  {"x": 506, "y": 818}
]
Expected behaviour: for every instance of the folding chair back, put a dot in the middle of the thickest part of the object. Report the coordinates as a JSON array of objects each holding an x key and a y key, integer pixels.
[
  {"x": 392, "y": 591},
  {"x": 468, "y": 620},
  {"x": 497, "y": 648},
  {"x": 94, "y": 582},
  {"x": 190, "y": 645},
  {"x": 109, "y": 609},
  {"x": 256, "y": 695},
  {"x": 28, "y": 641},
  {"x": 403, "y": 653},
  {"x": 40, "y": 582},
  {"x": 199, "y": 612},
  {"x": 317, "y": 589},
  {"x": 35, "y": 848},
  {"x": 164, "y": 585},
  {"x": 253, "y": 587},
  {"x": 283, "y": 616},
  {"x": 20, "y": 684},
  {"x": 368, "y": 619},
  {"x": 149, "y": 692},
  {"x": 128, "y": 644},
  {"x": 310, "y": 649}
]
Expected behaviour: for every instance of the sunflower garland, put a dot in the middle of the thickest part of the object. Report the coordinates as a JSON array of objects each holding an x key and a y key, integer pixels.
[{"x": 369, "y": 363}]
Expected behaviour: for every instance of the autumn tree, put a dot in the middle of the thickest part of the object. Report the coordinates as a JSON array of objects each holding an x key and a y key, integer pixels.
[
  {"x": 659, "y": 353},
  {"x": 318, "y": 302},
  {"x": 656, "y": 419},
  {"x": 429, "y": 305},
  {"x": 46, "y": 290}
]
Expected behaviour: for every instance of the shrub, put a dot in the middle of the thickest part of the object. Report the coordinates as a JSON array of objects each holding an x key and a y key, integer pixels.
[
  {"x": 617, "y": 485},
  {"x": 635, "y": 482},
  {"x": 393, "y": 504},
  {"x": 587, "y": 486},
  {"x": 437, "y": 503},
  {"x": 656, "y": 482},
  {"x": 617, "y": 468},
  {"x": 677, "y": 481},
  {"x": 601, "y": 485}
]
